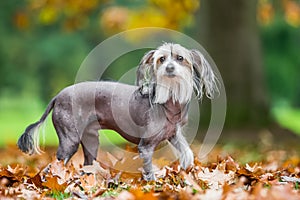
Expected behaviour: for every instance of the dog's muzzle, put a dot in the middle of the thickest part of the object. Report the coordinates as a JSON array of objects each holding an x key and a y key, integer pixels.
[{"x": 170, "y": 68}]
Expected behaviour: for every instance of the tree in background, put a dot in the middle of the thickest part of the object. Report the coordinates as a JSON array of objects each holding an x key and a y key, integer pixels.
[{"x": 230, "y": 33}]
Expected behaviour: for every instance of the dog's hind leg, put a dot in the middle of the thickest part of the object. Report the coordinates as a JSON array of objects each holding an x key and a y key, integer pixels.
[
  {"x": 68, "y": 134},
  {"x": 90, "y": 143},
  {"x": 146, "y": 150}
]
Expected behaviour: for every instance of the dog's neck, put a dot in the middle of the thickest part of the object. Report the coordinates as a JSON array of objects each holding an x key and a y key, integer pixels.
[{"x": 174, "y": 111}]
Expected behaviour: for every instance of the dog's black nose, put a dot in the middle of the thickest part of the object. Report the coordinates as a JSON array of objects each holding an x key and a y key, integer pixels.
[{"x": 170, "y": 68}]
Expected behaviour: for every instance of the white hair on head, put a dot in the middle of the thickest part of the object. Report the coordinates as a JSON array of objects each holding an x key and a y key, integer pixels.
[
  {"x": 205, "y": 81},
  {"x": 173, "y": 48},
  {"x": 195, "y": 73},
  {"x": 179, "y": 88}
]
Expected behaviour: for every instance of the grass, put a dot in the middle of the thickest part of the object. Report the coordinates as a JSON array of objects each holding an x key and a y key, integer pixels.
[
  {"x": 60, "y": 195},
  {"x": 287, "y": 117},
  {"x": 17, "y": 113}
]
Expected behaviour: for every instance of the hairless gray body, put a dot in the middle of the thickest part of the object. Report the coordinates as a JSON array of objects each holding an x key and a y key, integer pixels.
[
  {"x": 86, "y": 107},
  {"x": 80, "y": 110},
  {"x": 147, "y": 114}
]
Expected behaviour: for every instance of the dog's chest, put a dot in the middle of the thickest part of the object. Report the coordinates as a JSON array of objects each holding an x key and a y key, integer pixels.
[{"x": 174, "y": 112}]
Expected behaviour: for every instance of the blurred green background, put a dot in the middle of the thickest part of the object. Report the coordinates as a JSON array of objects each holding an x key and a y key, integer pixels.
[{"x": 254, "y": 43}]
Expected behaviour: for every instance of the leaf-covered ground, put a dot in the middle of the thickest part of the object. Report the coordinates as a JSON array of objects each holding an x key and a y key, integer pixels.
[{"x": 276, "y": 175}]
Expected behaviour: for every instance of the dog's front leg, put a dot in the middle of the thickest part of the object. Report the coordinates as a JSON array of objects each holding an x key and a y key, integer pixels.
[
  {"x": 186, "y": 156},
  {"x": 146, "y": 150}
]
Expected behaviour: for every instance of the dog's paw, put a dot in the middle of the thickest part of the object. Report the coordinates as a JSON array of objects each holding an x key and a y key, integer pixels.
[
  {"x": 186, "y": 159},
  {"x": 149, "y": 176}
]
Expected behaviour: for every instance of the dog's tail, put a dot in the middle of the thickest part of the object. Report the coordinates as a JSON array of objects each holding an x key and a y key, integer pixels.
[{"x": 29, "y": 140}]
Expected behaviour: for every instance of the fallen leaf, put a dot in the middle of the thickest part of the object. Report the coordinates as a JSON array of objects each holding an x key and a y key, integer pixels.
[
  {"x": 290, "y": 179},
  {"x": 52, "y": 184},
  {"x": 97, "y": 170}
]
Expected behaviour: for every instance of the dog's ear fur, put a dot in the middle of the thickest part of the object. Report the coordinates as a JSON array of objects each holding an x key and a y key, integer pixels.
[
  {"x": 144, "y": 74},
  {"x": 204, "y": 77},
  {"x": 144, "y": 68}
]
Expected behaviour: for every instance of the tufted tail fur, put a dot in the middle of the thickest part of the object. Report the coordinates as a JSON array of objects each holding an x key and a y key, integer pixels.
[{"x": 29, "y": 140}]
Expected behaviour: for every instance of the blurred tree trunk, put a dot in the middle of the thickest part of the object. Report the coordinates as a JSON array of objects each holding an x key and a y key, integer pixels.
[{"x": 228, "y": 30}]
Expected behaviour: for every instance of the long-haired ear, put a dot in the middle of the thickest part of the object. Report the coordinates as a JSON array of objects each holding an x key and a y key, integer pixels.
[
  {"x": 143, "y": 71},
  {"x": 151, "y": 85},
  {"x": 205, "y": 80}
]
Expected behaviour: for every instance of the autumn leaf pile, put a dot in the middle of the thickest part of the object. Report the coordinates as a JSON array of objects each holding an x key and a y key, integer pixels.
[{"x": 40, "y": 177}]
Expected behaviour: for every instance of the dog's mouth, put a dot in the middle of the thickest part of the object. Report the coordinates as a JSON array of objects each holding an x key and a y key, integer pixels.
[{"x": 170, "y": 75}]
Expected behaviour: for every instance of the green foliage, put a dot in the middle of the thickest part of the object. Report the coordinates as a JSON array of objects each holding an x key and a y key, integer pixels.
[
  {"x": 123, "y": 64},
  {"x": 287, "y": 117},
  {"x": 110, "y": 193},
  {"x": 42, "y": 66},
  {"x": 16, "y": 114},
  {"x": 282, "y": 69},
  {"x": 282, "y": 61},
  {"x": 59, "y": 195}
]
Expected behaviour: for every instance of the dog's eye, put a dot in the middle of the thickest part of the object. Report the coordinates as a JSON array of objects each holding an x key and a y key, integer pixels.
[
  {"x": 180, "y": 58},
  {"x": 162, "y": 59}
]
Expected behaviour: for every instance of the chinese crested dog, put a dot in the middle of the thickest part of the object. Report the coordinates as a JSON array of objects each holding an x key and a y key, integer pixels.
[{"x": 154, "y": 110}]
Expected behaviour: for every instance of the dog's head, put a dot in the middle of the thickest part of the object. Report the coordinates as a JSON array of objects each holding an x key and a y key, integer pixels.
[{"x": 172, "y": 72}]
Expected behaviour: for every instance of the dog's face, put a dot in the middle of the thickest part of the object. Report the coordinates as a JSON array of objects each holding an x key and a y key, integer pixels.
[
  {"x": 173, "y": 69},
  {"x": 175, "y": 72},
  {"x": 171, "y": 60}
]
